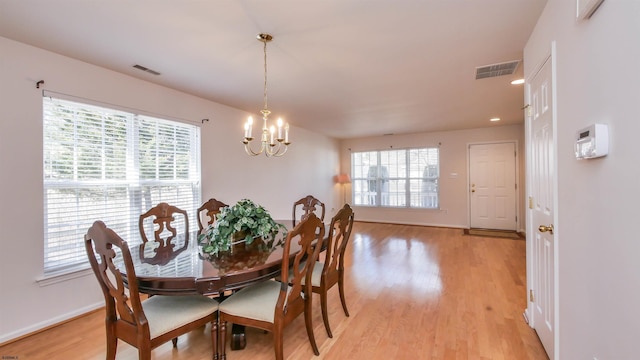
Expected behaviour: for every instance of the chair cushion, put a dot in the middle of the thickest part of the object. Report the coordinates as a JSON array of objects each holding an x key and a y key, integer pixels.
[
  {"x": 315, "y": 276},
  {"x": 256, "y": 301},
  {"x": 165, "y": 313}
]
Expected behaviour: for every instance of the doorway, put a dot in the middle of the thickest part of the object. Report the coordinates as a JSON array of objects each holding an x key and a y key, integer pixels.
[{"x": 493, "y": 186}]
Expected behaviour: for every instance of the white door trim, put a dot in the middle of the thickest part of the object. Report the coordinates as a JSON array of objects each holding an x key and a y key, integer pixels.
[
  {"x": 531, "y": 228},
  {"x": 519, "y": 221}
]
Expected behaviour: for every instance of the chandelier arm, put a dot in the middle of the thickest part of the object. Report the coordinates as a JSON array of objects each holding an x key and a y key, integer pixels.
[
  {"x": 278, "y": 153},
  {"x": 278, "y": 149},
  {"x": 250, "y": 151}
]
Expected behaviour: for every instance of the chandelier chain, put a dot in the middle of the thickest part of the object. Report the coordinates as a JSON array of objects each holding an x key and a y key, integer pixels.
[{"x": 265, "y": 75}]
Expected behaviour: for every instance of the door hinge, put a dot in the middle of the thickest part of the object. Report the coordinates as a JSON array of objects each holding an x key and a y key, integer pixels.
[
  {"x": 530, "y": 202},
  {"x": 531, "y": 295},
  {"x": 516, "y": 186},
  {"x": 516, "y": 218}
]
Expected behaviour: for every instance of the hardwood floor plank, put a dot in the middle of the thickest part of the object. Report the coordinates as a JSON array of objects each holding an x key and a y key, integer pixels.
[{"x": 413, "y": 292}]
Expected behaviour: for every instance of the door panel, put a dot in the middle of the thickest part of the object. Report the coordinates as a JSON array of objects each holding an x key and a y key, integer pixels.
[
  {"x": 542, "y": 211},
  {"x": 492, "y": 180}
]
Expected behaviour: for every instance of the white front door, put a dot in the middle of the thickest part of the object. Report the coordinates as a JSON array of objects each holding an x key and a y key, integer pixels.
[
  {"x": 542, "y": 206},
  {"x": 492, "y": 186}
]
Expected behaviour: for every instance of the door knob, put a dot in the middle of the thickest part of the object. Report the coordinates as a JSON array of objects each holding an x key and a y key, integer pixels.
[
  {"x": 544, "y": 228},
  {"x": 473, "y": 190}
]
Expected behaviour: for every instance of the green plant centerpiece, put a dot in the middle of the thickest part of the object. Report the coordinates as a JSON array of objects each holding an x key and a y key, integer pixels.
[{"x": 245, "y": 222}]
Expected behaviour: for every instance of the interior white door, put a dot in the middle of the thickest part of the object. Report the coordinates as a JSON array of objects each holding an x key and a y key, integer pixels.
[
  {"x": 492, "y": 186},
  {"x": 542, "y": 206}
]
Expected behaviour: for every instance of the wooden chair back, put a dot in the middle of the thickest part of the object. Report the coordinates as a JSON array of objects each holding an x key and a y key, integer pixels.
[
  {"x": 339, "y": 234},
  {"x": 107, "y": 251},
  {"x": 163, "y": 220},
  {"x": 125, "y": 318},
  {"x": 333, "y": 266},
  {"x": 293, "y": 299},
  {"x": 209, "y": 210},
  {"x": 309, "y": 234},
  {"x": 307, "y": 205}
]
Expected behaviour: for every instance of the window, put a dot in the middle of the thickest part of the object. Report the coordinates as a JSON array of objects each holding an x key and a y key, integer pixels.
[
  {"x": 396, "y": 178},
  {"x": 110, "y": 165}
]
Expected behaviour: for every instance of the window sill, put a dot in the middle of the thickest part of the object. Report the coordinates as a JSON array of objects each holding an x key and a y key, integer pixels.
[
  {"x": 385, "y": 207},
  {"x": 59, "y": 277}
]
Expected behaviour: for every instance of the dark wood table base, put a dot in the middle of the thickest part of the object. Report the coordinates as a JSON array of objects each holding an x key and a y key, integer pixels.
[{"x": 238, "y": 337}]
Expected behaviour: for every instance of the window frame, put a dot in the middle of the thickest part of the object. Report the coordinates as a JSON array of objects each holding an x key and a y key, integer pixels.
[
  {"x": 113, "y": 169},
  {"x": 393, "y": 188}
]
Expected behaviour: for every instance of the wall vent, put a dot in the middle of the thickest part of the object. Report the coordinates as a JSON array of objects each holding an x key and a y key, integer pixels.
[
  {"x": 146, "y": 69},
  {"x": 493, "y": 70}
]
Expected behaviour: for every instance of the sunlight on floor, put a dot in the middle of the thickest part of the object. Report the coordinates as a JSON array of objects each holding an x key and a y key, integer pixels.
[{"x": 407, "y": 264}]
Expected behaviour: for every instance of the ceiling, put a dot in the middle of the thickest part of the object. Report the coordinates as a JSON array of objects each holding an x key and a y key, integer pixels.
[{"x": 344, "y": 68}]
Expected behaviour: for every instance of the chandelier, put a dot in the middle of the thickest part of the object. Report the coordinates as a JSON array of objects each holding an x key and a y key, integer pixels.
[{"x": 273, "y": 142}]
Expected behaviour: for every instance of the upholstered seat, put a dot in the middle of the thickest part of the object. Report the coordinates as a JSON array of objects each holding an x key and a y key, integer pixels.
[
  {"x": 255, "y": 302},
  {"x": 165, "y": 313}
]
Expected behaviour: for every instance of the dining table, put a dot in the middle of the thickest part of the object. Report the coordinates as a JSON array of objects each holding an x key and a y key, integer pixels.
[{"x": 179, "y": 267}]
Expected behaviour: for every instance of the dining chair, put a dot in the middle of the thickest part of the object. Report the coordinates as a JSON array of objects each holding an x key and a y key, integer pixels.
[
  {"x": 161, "y": 220},
  {"x": 272, "y": 305},
  {"x": 308, "y": 205},
  {"x": 143, "y": 324},
  {"x": 325, "y": 275},
  {"x": 209, "y": 210}
]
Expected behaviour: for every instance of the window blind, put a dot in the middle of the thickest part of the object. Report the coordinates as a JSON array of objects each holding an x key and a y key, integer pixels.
[
  {"x": 110, "y": 165},
  {"x": 396, "y": 178}
]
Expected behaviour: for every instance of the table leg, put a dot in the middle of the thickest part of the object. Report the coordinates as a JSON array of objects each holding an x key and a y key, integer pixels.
[{"x": 238, "y": 337}]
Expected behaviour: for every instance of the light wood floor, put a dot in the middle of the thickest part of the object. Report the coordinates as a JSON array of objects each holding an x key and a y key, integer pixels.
[{"x": 413, "y": 293}]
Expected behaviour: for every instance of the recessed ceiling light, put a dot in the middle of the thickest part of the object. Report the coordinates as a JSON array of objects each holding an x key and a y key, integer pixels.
[
  {"x": 517, "y": 82},
  {"x": 494, "y": 119}
]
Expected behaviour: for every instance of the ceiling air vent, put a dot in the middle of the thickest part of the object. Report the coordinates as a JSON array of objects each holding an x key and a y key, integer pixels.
[
  {"x": 493, "y": 70},
  {"x": 140, "y": 67}
]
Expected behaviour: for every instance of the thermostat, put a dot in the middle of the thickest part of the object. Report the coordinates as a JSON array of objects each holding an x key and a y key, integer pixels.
[{"x": 592, "y": 142}]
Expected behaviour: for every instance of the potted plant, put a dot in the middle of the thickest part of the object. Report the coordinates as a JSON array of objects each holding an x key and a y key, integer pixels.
[{"x": 243, "y": 222}]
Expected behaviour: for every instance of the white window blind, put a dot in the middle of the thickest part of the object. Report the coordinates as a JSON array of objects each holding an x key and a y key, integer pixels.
[
  {"x": 396, "y": 178},
  {"x": 110, "y": 165}
]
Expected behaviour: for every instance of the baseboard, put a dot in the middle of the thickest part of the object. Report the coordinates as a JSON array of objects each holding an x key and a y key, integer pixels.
[
  {"x": 525, "y": 315},
  {"x": 48, "y": 324},
  {"x": 414, "y": 224}
]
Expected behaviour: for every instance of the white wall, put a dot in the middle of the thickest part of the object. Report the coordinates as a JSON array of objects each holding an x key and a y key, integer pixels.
[
  {"x": 227, "y": 172},
  {"x": 598, "y": 245},
  {"x": 453, "y": 159}
]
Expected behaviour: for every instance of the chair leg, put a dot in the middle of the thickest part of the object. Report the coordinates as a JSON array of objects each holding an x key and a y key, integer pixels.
[
  {"x": 223, "y": 340},
  {"x": 341, "y": 290},
  {"x": 309, "y": 325},
  {"x": 325, "y": 313},
  {"x": 112, "y": 346},
  {"x": 278, "y": 342},
  {"x": 214, "y": 338},
  {"x": 174, "y": 341},
  {"x": 144, "y": 352}
]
